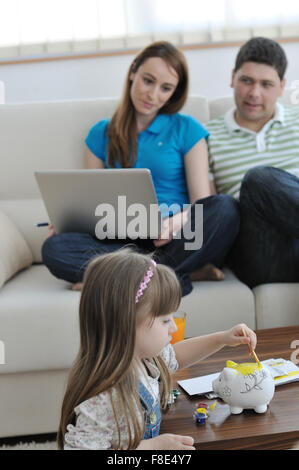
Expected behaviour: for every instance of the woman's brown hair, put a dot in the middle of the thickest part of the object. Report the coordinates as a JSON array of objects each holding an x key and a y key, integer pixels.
[
  {"x": 122, "y": 134},
  {"x": 108, "y": 318}
]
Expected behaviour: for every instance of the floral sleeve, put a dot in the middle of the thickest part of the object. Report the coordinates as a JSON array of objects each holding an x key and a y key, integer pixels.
[
  {"x": 94, "y": 428},
  {"x": 169, "y": 357}
]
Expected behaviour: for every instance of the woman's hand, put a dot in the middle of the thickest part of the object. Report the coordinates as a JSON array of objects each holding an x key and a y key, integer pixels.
[
  {"x": 171, "y": 226},
  {"x": 51, "y": 231},
  {"x": 167, "y": 442},
  {"x": 235, "y": 336}
]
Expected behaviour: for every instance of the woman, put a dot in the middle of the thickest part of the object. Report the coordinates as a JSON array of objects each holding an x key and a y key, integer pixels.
[{"x": 146, "y": 131}]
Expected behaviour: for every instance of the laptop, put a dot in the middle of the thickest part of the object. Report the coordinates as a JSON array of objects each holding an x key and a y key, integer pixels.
[{"x": 106, "y": 203}]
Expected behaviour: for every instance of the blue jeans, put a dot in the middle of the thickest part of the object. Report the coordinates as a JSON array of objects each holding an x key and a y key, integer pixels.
[
  {"x": 67, "y": 254},
  {"x": 267, "y": 247},
  {"x": 152, "y": 412}
]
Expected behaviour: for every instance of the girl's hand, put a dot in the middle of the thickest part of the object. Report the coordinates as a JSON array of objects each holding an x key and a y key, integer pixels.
[
  {"x": 171, "y": 226},
  {"x": 167, "y": 442},
  {"x": 235, "y": 336}
]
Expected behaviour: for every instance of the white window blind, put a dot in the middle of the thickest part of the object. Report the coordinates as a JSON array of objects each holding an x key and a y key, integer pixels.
[{"x": 43, "y": 27}]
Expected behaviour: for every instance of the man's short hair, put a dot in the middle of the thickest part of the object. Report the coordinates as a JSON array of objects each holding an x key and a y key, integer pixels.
[{"x": 263, "y": 51}]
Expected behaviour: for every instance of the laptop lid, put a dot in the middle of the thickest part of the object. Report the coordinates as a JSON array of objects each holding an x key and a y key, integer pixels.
[{"x": 106, "y": 203}]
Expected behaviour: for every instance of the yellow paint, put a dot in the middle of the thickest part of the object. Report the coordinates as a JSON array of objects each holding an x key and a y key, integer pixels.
[
  {"x": 213, "y": 406},
  {"x": 296, "y": 372},
  {"x": 245, "y": 368}
]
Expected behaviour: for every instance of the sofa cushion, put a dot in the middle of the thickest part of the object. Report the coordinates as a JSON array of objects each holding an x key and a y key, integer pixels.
[
  {"x": 15, "y": 254},
  {"x": 218, "y": 305},
  {"x": 25, "y": 214},
  {"x": 39, "y": 322},
  {"x": 276, "y": 305}
]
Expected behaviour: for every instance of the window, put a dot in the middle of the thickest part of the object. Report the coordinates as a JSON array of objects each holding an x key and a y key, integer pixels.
[{"x": 41, "y": 27}]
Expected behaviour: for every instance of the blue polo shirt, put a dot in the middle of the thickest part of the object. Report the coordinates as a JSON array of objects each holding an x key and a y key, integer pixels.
[{"x": 161, "y": 149}]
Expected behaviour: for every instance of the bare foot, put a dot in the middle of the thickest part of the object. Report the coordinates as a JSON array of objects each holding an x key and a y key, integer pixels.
[
  {"x": 209, "y": 272},
  {"x": 77, "y": 286}
]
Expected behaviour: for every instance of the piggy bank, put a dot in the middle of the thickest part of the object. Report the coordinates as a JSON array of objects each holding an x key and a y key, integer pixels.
[{"x": 245, "y": 386}]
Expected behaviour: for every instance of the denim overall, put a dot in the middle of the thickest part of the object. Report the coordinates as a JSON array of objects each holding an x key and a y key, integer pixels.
[{"x": 152, "y": 412}]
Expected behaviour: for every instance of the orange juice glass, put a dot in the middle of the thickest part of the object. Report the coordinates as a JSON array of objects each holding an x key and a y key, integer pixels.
[{"x": 180, "y": 321}]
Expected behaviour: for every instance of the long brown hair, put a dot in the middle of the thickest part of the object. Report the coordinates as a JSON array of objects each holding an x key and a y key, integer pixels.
[
  {"x": 122, "y": 143},
  {"x": 108, "y": 318}
]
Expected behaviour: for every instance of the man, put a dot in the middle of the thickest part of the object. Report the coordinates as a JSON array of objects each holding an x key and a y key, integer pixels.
[{"x": 254, "y": 156}]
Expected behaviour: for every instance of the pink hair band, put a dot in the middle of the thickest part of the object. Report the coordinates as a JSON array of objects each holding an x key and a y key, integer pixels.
[{"x": 145, "y": 281}]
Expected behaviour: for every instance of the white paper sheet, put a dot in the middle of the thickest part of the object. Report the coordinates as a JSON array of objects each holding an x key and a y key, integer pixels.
[{"x": 198, "y": 385}]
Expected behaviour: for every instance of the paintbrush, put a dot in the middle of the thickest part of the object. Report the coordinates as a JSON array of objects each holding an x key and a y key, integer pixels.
[{"x": 252, "y": 350}]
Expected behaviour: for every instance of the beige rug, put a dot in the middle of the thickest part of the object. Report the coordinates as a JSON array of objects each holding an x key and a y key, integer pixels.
[{"x": 31, "y": 446}]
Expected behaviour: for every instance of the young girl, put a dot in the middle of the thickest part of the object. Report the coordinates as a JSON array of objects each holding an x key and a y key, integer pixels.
[
  {"x": 121, "y": 378},
  {"x": 147, "y": 131}
]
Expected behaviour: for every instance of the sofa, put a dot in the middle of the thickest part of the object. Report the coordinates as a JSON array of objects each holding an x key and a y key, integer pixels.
[{"x": 39, "y": 313}]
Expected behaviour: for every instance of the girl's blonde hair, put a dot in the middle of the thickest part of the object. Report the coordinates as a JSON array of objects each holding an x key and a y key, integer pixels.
[
  {"x": 108, "y": 320},
  {"x": 122, "y": 133}
]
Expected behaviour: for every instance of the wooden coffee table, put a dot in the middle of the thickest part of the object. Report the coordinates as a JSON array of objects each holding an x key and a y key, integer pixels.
[{"x": 278, "y": 428}]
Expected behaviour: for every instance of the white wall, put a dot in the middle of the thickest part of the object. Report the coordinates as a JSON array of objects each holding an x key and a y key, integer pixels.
[{"x": 210, "y": 71}]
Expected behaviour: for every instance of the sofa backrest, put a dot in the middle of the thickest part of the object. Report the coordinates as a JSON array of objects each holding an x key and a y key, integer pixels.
[{"x": 49, "y": 135}]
